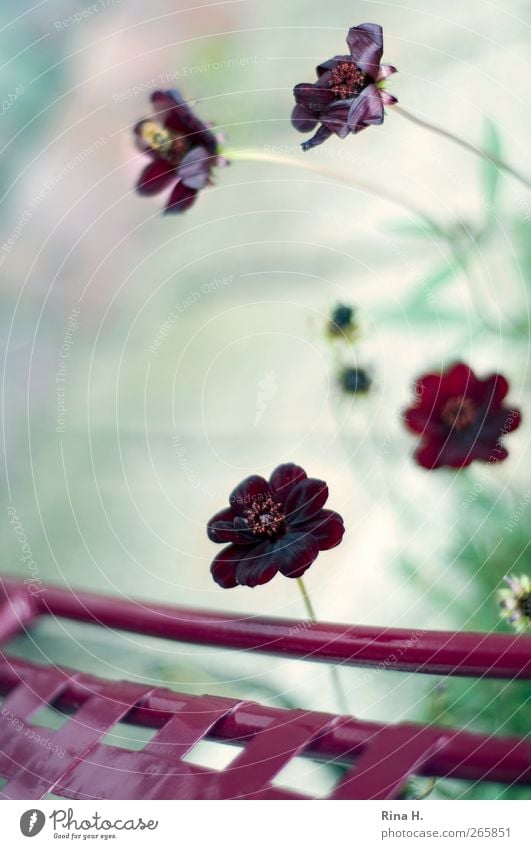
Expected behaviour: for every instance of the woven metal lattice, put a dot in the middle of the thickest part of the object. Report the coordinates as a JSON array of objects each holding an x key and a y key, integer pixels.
[{"x": 74, "y": 762}]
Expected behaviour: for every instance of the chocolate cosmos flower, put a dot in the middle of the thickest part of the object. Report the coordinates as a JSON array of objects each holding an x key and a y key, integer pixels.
[
  {"x": 460, "y": 418},
  {"x": 181, "y": 148},
  {"x": 273, "y": 526},
  {"x": 348, "y": 95}
]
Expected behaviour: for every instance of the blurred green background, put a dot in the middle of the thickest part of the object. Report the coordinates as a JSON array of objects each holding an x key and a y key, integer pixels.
[{"x": 190, "y": 351}]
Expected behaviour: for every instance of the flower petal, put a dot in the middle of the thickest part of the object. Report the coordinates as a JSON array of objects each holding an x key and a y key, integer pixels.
[
  {"x": 512, "y": 421},
  {"x": 224, "y": 528},
  {"x": 427, "y": 389},
  {"x": 367, "y": 109},
  {"x": 429, "y": 455},
  {"x": 496, "y": 423},
  {"x": 420, "y": 420},
  {"x": 436, "y": 453},
  {"x": 155, "y": 177},
  {"x": 434, "y": 390},
  {"x": 253, "y": 488},
  {"x": 283, "y": 478},
  {"x": 313, "y": 97},
  {"x": 223, "y": 568},
  {"x": 322, "y": 134},
  {"x": 386, "y": 98},
  {"x": 459, "y": 380},
  {"x": 335, "y": 118},
  {"x": 258, "y": 566},
  {"x": 385, "y": 71},
  {"x": 181, "y": 198},
  {"x": 366, "y": 47},
  {"x": 489, "y": 452},
  {"x": 194, "y": 168},
  {"x": 294, "y": 554},
  {"x": 494, "y": 389},
  {"x": 302, "y": 119},
  {"x": 304, "y": 500},
  {"x": 330, "y": 64},
  {"x": 326, "y": 527},
  {"x": 177, "y": 116}
]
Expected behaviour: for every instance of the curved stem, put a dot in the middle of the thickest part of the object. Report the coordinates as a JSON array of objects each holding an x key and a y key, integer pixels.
[
  {"x": 441, "y": 131},
  {"x": 462, "y": 261},
  {"x": 252, "y": 155},
  {"x": 307, "y": 601},
  {"x": 338, "y": 689},
  {"x": 334, "y": 675}
]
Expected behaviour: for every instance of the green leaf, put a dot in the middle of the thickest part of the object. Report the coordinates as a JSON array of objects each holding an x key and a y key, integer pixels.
[
  {"x": 490, "y": 174},
  {"x": 416, "y": 230},
  {"x": 420, "y": 305}
]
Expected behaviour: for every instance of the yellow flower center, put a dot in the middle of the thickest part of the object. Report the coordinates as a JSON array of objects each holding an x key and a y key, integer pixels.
[{"x": 167, "y": 145}]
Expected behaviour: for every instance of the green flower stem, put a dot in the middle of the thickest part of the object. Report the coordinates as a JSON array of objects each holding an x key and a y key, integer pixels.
[
  {"x": 334, "y": 674},
  {"x": 441, "y": 131},
  {"x": 307, "y": 600},
  {"x": 253, "y": 155}
]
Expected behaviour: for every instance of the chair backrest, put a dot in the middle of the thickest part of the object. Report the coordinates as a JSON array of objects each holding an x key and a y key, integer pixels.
[{"x": 372, "y": 761}]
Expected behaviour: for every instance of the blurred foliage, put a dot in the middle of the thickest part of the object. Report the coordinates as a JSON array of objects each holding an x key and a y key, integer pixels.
[
  {"x": 490, "y": 543},
  {"x": 491, "y": 527}
]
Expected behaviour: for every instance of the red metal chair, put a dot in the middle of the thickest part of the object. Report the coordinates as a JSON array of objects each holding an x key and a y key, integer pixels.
[{"x": 378, "y": 759}]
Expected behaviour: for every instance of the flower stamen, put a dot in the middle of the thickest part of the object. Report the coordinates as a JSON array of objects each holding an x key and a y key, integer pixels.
[
  {"x": 346, "y": 80},
  {"x": 458, "y": 412},
  {"x": 167, "y": 145},
  {"x": 265, "y": 517}
]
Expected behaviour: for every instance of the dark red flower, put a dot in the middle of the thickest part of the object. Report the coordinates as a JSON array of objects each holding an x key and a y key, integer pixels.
[
  {"x": 181, "y": 148},
  {"x": 460, "y": 418},
  {"x": 273, "y": 526},
  {"x": 348, "y": 95}
]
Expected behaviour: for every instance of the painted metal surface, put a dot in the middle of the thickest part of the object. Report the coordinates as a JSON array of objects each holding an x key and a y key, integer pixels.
[
  {"x": 433, "y": 652},
  {"x": 76, "y": 764},
  {"x": 377, "y": 760}
]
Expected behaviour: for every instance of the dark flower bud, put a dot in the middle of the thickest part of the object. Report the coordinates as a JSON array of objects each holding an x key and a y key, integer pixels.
[
  {"x": 354, "y": 381},
  {"x": 342, "y": 321}
]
